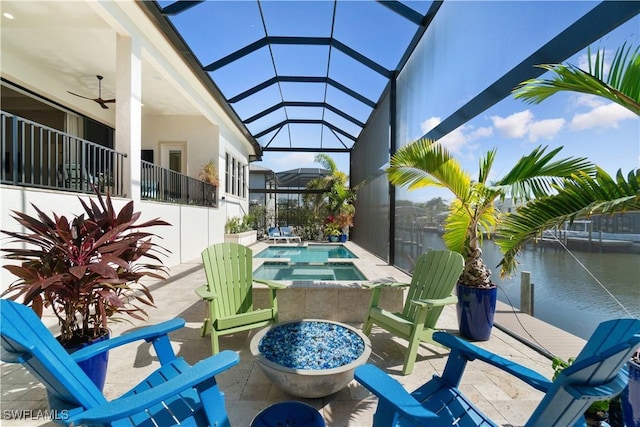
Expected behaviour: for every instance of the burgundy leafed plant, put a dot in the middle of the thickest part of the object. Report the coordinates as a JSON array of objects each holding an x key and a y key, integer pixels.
[{"x": 85, "y": 268}]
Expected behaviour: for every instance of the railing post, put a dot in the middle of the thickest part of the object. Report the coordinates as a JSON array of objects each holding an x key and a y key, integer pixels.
[
  {"x": 14, "y": 143},
  {"x": 526, "y": 293}
]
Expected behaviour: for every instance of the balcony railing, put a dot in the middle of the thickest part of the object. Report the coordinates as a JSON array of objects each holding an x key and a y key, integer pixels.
[
  {"x": 165, "y": 185},
  {"x": 34, "y": 155}
]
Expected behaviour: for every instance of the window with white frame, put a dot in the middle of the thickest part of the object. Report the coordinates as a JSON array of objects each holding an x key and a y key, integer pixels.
[{"x": 236, "y": 179}]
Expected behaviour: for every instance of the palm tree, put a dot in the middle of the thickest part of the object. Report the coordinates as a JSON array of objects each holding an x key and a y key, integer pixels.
[
  {"x": 323, "y": 184},
  {"x": 336, "y": 196},
  {"x": 427, "y": 163},
  {"x": 583, "y": 194},
  {"x": 335, "y": 177},
  {"x": 621, "y": 85}
]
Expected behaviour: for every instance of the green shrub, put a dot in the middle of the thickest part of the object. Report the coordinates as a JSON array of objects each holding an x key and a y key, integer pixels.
[{"x": 236, "y": 224}]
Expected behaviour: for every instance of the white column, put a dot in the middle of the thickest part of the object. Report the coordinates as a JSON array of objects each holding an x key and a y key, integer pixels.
[{"x": 129, "y": 110}]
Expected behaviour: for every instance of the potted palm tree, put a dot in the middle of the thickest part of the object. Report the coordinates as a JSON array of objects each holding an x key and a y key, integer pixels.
[
  {"x": 86, "y": 270},
  {"x": 472, "y": 213}
]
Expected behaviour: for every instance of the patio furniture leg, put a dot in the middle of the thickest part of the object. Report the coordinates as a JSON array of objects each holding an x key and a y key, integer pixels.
[
  {"x": 205, "y": 327},
  {"x": 215, "y": 345}
]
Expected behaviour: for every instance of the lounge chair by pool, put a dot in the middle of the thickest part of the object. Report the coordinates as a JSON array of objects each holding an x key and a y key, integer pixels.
[{"x": 289, "y": 234}]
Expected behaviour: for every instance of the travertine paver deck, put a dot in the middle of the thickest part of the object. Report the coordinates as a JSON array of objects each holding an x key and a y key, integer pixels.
[{"x": 247, "y": 390}]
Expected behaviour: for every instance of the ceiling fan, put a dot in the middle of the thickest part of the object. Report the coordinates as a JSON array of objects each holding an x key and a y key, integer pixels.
[{"x": 103, "y": 102}]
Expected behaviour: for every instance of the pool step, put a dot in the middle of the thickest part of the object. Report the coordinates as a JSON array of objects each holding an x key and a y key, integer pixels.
[{"x": 312, "y": 274}]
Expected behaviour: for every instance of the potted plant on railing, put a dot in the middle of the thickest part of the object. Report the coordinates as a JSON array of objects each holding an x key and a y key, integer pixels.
[
  {"x": 84, "y": 270},
  {"x": 472, "y": 214},
  {"x": 209, "y": 173}
]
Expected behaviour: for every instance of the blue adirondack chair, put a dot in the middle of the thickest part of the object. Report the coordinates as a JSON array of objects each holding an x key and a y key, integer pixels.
[
  {"x": 598, "y": 373},
  {"x": 176, "y": 393}
]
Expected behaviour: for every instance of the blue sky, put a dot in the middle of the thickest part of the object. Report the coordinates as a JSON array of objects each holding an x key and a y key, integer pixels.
[{"x": 584, "y": 125}]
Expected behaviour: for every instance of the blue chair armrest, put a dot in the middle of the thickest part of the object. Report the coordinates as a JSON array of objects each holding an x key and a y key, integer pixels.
[
  {"x": 391, "y": 394},
  {"x": 472, "y": 352},
  {"x": 149, "y": 333},
  {"x": 132, "y": 404},
  {"x": 270, "y": 283}
]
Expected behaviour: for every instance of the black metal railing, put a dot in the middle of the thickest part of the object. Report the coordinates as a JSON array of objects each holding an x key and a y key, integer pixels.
[
  {"x": 165, "y": 185},
  {"x": 34, "y": 155}
]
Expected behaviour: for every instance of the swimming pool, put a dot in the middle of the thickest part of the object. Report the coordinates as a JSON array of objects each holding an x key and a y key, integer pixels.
[
  {"x": 328, "y": 271},
  {"x": 310, "y": 253}
]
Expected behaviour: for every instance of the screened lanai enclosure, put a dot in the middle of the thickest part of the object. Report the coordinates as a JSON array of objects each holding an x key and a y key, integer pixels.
[
  {"x": 363, "y": 78},
  {"x": 284, "y": 199}
]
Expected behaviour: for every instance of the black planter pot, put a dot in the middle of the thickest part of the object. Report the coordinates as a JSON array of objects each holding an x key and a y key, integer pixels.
[
  {"x": 476, "y": 308},
  {"x": 615, "y": 413},
  {"x": 96, "y": 366},
  {"x": 596, "y": 418}
]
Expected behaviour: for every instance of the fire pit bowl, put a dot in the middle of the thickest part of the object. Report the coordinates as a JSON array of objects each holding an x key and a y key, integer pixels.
[{"x": 310, "y": 357}]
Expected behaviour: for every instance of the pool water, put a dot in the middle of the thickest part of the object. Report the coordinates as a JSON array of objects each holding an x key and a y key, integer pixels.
[
  {"x": 310, "y": 253},
  {"x": 329, "y": 271}
]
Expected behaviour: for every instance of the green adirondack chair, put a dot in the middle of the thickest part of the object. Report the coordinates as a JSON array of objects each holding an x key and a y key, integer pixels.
[
  {"x": 431, "y": 288},
  {"x": 229, "y": 293}
]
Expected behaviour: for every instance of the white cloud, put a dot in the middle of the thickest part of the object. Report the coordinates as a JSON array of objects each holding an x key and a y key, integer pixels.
[
  {"x": 297, "y": 160},
  {"x": 591, "y": 101},
  {"x": 514, "y": 126},
  {"x": 457, "y": 139},
  {"x": 454, "y": 141},
  {"x": 429, "y": 124},
  {"x": 604, "y": 116},
  {"x": 523, "y": 124},
  {"x": 483, "y": 132},
  {"x": 545, "y": 129}
]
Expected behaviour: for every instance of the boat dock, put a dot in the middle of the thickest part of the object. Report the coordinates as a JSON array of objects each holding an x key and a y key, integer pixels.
[
  {"x": 586, "y": 244},
  {"x": 537, "y": 334}
]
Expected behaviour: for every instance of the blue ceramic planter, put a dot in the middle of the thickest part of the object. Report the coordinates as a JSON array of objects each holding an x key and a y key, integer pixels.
[
  {"x": 95, "y": 367},
  {"x": 476, "y": 308},
  {"x": 630, "y": 397}
]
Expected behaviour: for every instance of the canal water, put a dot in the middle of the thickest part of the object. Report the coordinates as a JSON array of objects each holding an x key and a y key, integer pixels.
[{"x": 574, "y": 290}]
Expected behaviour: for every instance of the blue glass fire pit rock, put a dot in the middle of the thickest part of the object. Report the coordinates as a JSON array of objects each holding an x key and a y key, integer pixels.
[
  {"x": 310, "y": 357},
  {"x": 311, "y": 345}
]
